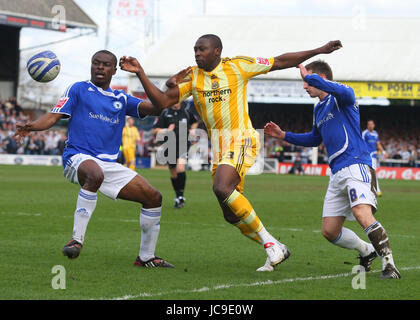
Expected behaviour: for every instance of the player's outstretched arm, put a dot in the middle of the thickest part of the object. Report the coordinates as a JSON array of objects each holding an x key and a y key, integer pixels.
[
  {"x": 273, "y": 130},
  {"x": 342, "y": 92},
  {"x": 42, "y": 123},
  {"x": 309, "y": 139},
  {"x": 146, "y": 108},
  {"x": 178, "y": 78},
  {"x": 158, "y": 98},
  {"x": 293, "y": 59}
]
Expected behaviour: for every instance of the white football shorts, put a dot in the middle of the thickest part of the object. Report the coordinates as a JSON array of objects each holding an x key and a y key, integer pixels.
[
  {"x": 116, "y": 176},
  {"x": 349, "y": 187}
]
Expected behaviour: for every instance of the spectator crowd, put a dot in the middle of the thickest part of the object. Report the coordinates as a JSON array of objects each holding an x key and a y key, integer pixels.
[
  {"x": 400, "y": 137},
  {"x": 51, "y": 142},
  {"x": 401, "y": 141}
]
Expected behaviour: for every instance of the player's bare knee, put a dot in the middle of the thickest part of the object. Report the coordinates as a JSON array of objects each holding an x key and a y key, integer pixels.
[
  {"x": 230, "y": 218},
  {"x": 330, "y": 234},
  {"x": 362, "y": 210},
  {"x": 363, "y": 214},
  {"x": 93, "y": 180},
  {"x": 221, "y": 192},
  {"x": 153, "y": 199}
]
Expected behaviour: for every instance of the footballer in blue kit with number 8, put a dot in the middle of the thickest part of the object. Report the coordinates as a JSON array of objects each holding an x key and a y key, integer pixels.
[{"x": 351, "y": 194}]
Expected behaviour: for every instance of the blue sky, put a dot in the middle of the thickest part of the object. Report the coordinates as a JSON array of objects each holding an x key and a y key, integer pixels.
[{"x": 127, "y": 33}]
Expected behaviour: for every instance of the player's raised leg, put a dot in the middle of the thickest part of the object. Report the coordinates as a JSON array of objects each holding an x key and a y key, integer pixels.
[
  {"x": 90, "y": 177},
  {"x": 241, "y": 225},
  {"x": 139, "y": 190},
  {"x": 247, "y": 232},
  {"x": 225, "y": 181}
]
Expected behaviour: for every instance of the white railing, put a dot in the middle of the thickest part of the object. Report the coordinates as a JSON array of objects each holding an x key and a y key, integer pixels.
[{"x": 23, "y": 159}]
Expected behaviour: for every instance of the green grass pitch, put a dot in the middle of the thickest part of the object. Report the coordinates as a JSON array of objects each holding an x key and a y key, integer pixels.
[{"x": 213, "y": 260}]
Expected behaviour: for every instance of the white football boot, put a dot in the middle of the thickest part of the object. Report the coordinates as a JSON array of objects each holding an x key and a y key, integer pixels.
[
  {"x": 276, "y": 254},
  {"x": 267, "y": 267}
]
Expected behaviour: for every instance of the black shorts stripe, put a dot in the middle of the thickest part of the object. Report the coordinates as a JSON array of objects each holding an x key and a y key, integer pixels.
[{"x": 248, "y": 143}]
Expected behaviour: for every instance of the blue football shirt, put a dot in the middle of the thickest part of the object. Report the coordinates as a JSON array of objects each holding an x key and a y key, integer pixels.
[
  {"x": 337, "y": 124},
  {"x": 371, "y": 139},
  {"x": 96, "y": 119}
]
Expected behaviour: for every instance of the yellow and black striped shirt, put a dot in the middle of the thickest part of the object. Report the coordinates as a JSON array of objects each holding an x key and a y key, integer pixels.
[{"x": 220, "y": 96}]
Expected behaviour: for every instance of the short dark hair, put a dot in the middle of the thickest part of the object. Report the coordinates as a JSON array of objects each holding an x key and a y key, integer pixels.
[
  {"x": 320, "y": 67},
  {"x": 215, "y": 40},
  {"x": 114, "y": 57}
]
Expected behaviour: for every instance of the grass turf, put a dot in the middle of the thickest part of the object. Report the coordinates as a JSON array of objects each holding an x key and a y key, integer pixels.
[{"x": 213, "y": 260}]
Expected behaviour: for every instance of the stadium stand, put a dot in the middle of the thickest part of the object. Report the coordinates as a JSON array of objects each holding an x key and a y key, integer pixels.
[
  {"x": 42, "y": 143},
  {"x": 396, "y": 127},
  {"x": 16, "y": 15},
  {"x": 398, "y": 134}
]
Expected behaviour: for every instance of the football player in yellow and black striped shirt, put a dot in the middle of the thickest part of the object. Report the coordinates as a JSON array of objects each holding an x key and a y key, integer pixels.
[{"x": 218, "y": 86}]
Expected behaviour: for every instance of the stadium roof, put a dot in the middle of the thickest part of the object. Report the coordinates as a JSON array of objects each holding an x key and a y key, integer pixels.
[
  {"x": 374, "y": 49},
  {"x": 42, "y": 10}
]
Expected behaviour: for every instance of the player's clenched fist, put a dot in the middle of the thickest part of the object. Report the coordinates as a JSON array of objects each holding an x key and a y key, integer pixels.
[{"x": 331, "y": 46}]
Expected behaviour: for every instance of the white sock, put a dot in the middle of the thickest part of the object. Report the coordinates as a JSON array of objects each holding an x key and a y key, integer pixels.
[
  {"x": 150, "y": 227},
  {"x": 266, "y": 236},
  {"x": 86, "y": 204},
  {"x": 350, "y": 240}
]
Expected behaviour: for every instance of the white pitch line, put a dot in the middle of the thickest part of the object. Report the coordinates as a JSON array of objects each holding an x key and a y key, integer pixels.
[
  {"x": 22, "y": 213},
  {"x": 242, "y": 285}
]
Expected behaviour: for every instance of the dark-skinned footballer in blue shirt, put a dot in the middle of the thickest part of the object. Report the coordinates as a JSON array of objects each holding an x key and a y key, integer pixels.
[{"x": 96, "y": 116}]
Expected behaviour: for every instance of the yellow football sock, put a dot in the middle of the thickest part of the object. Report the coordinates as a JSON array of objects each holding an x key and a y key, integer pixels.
[
  {"x": 248, "y": 233},
  {"x": 241, "y": 207}
]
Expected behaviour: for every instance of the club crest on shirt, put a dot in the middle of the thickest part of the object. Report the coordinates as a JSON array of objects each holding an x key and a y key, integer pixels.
[
  {"x": 215, "y": 85},
  {"x": 117, "y": 105}
]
